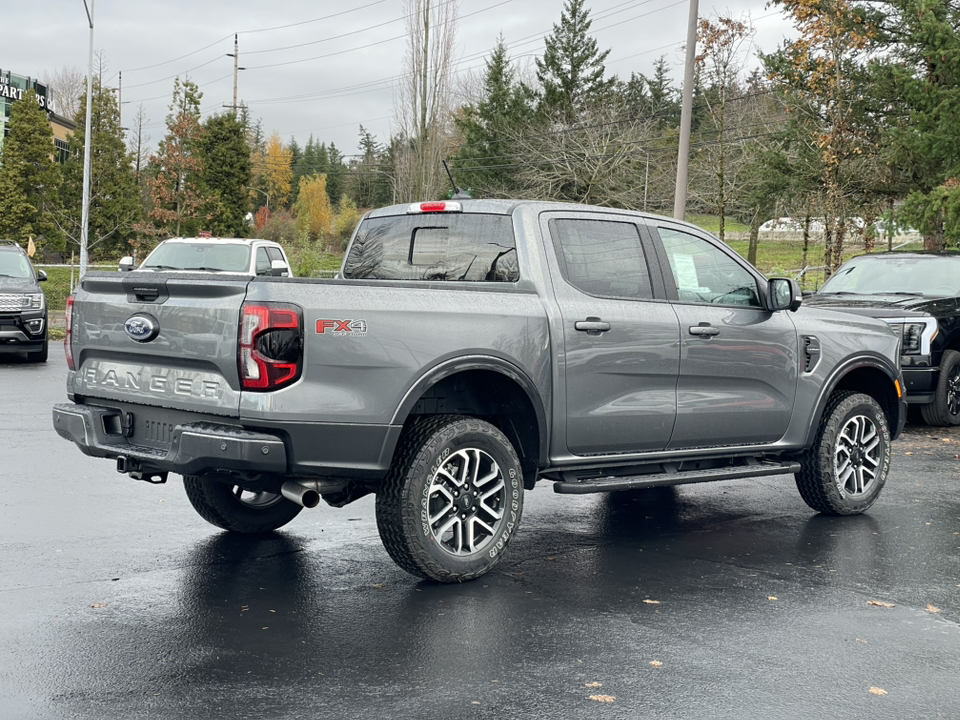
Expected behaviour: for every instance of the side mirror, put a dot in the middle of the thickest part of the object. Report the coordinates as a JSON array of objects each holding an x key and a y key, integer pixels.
[
  {"x": 278, "y": 268},
  {"x": 126, "y": 264},
  {"x": 41, "y": 275},
  {"x": 785, "y": 294}
]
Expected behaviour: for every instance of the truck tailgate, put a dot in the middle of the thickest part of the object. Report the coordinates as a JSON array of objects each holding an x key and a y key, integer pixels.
[{"x": 190, "y": 363}]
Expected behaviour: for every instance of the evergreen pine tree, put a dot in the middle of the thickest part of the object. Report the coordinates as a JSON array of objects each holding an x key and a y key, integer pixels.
[
  {"x": 29, "y": 177},
  {"x": 571, "y": 69},
  {"x": 228, "y": 174},
  {"x": 115, "y": 205}
]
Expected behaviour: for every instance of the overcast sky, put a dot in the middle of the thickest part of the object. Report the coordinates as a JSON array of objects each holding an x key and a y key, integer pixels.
[{"x": 322, "y": 68}]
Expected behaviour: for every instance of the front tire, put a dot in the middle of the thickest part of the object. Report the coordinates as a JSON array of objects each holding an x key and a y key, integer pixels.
[
  {"x": 847, "y": 466},
  {"x": 452, "y": 499},
  {"x": 232, "y": 508},
  {"x": 944, "y": 411}
]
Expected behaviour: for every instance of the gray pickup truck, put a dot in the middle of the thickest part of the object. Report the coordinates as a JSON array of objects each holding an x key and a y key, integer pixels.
[{"x": 465, "y": 351}]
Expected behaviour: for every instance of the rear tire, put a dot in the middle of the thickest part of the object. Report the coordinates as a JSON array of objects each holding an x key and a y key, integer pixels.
[
  {"x": 847, "y": 466},
  {"x": 232, "y": 508},
  {"x": 944, "y": 411},
  {"x": 452, "y": 499}
]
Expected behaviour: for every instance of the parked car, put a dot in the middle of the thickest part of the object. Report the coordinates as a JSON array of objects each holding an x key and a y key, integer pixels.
[
  {"x": 918, "y": 294},
  {"x": 468, "y": 350},
  {"x": 247, "y": 256},
  {"x": 23, "y": 306}
]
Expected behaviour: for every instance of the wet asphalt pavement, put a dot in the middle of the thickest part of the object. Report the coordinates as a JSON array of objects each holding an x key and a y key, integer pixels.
[{"x": 724, "y": 600}]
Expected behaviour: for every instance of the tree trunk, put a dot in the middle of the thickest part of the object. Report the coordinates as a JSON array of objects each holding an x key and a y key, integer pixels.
[{"x": 754, "y": 238}]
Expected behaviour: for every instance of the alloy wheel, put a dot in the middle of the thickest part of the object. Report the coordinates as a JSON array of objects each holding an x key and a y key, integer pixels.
[
  {"x": 857, "y": 456},
  {"x": 466, "y": 498}
]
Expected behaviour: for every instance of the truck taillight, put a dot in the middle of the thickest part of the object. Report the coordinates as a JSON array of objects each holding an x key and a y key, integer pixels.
[
  {"x": 68, "y": 338},
  {"x": 271, "y": 345}
]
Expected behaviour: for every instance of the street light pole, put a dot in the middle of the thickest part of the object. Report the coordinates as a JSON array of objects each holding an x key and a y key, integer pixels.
[
  {"x": 686, "y": 115},
  {"x": 85, "y": 219}
]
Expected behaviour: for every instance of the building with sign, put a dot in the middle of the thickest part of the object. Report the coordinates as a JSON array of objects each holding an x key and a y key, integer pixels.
[{"x": 12, "y": 90}]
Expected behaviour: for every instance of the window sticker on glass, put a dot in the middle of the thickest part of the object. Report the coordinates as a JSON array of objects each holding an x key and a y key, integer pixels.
[{"x": 686, "y": 272}]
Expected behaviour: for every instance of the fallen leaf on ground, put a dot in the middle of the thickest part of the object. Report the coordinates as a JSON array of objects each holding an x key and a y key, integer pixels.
[
  {"x": 378, "y": 586},
  {"x": 932, "y": 609},
  {"x": 908, "y": 453},
  {"x": 594, "y": 684},
  {"x": 656, "y": 663},
  {"x": 878, "y": 691},
  {"x": 771, "y": 597},
  {"x": 860, "y": 641},
  {"x": 603, "y": 698},
  {"x": 880, "y": 604},
  {"x": 652, "y": 602},
  {"x": 98, "y": 605}
]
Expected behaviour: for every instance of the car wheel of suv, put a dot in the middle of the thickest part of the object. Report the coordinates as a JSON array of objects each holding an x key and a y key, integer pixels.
[
  {"x": 845, "y": 470},
  {"x": 452, "y": 499},
  {"x": 232, "y": 508},
  {"x": 40, "y": 355},
  {"x": 945, "y": 408}
]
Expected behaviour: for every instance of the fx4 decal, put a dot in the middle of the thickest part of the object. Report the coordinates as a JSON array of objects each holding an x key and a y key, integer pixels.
[{"x": 339, "y": 328}]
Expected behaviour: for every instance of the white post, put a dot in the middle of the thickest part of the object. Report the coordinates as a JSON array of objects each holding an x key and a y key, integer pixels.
[
  {"x": 686, "y": 114},
  {"x": 85, "y": 219}
]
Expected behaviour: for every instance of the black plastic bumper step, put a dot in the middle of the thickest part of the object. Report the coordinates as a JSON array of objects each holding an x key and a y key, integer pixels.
[{"x": 583, "y": 486}]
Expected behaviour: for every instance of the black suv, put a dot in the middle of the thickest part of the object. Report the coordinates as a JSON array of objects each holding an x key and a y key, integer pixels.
[
  {"x": 23, "y": 307},
  {"x": 918, "y": 293}
]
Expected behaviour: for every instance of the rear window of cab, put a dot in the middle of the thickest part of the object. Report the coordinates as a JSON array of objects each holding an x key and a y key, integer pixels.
[{"x": 469, "y": 247}]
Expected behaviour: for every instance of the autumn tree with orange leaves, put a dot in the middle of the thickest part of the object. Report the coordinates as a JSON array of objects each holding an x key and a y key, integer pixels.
[
  {"x": 273, "y": 171},
  {"x": 822, "y": 75},
  {"x": 176, "y": 187}
]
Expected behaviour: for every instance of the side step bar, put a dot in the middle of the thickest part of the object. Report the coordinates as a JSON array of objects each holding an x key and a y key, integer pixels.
[{"x": 583, "y": 486}]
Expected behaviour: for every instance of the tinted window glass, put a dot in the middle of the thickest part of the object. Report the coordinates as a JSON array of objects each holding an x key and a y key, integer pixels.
[
  {"x": 447, "y": 246},
  {"x": 275, "y": 253},
  {"x": 602, "y": 257},
  {"x": 706, "y": 274}
]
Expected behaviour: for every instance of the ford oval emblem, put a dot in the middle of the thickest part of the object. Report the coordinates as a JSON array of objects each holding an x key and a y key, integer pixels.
[{"x": 142, "y": 327}]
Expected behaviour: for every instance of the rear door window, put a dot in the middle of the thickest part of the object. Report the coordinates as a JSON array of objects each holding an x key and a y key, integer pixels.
[
  {"x": 467, "y": 247},
  {"x": 602, "y": 258}
]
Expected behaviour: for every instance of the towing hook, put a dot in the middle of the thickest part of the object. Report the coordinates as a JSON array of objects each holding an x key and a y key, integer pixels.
[{"x": 133, "y": 468}]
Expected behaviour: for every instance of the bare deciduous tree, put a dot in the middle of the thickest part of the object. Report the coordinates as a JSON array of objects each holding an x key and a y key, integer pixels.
[
  {"x": 423, "y": 98},
  {"x": 69, "y": 84},
  {"x": 602, "y": 160}
]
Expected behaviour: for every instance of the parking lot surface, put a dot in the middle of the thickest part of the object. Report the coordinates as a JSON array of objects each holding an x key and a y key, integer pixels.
[{"x": 723, "y": 600}]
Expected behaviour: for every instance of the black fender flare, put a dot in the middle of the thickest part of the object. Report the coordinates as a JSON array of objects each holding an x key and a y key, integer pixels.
[
  {"x": 840, "y": 372},
  {"x": 456, "y": 365}
]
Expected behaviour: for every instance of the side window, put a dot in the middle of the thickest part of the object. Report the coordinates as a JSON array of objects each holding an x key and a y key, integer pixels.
[
  {"x": 275, "y": 254},
  {"x": 263, "y": 262},
  {"x": 705, "y": 274},
  {"x": 602, "y": 257}
]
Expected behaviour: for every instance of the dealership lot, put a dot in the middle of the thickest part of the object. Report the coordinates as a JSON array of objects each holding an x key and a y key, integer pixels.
[{"x": 726, "y": 600}]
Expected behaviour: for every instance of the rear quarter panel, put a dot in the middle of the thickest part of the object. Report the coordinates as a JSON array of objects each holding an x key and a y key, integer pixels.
[{"x": 398, "y": 332}]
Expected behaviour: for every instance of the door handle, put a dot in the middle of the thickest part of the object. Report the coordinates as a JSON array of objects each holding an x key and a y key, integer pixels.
[
  {"x": 704, "y": 330},
  {"x": 592, "y": 326}
]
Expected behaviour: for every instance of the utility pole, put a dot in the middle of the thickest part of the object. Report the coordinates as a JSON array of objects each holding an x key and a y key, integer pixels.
[
  {"x": 120, "y": 96},
  {"x": 85, "y": 215},
  {"x": 236, "y": 71},
  {"x": 686, "y": 114}
]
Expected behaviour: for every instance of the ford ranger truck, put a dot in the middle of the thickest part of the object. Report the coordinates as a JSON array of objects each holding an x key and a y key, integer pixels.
[{"x": 466, "y": 351}]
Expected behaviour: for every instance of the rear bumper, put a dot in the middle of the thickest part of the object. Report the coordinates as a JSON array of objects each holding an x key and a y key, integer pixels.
[{"x": 194, "y": 448}]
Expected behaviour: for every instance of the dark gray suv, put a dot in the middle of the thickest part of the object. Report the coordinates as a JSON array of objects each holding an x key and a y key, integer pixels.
[{"x": 23, "y": 307}]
